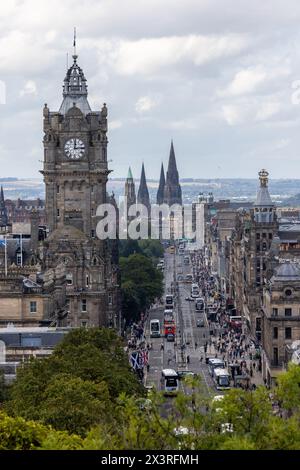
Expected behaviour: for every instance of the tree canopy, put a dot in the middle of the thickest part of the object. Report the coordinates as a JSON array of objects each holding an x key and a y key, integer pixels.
[
  {"x": 142, "y": 283},
  {"x": 75, "y": 387}
]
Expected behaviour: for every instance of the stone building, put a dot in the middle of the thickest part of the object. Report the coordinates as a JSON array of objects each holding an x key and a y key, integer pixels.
[
  {"x": 130, "y": 196},
  {"x": 75, "y": 174},
  {"x": 280, "y": 318},
  {"x": 31, "y": 298},
  {"x": 172, "y": 188},
  {"x": 161, "y": 186}
]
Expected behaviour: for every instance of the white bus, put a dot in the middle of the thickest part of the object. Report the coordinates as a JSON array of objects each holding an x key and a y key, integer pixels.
[
  {"x": 169, "y": 382},
  {"x": 221, "y": 378},
  {"x": 215, "y": 363},
  {"x": 154, "y": 329}
]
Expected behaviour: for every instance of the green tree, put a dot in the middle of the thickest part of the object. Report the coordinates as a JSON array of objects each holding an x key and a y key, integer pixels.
[
  {"x": 129, "y": 247},
  {"x": 288, "y": 390},
  {"x": 151, "y": 248},
  {"x": 91, "y": 361},
  {"x": 18, "y": 434},
  {"x": 74, "y": 405},
  {"x": 142, "y": 283}
]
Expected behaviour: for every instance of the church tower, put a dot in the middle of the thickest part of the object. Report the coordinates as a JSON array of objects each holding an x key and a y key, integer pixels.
[
  {"x": 161, "y": 187},
  {"x": 143, "y": 193},
  {"x": 3, "y": 211},
  {"x": 130, "y": 190},
  {"x": 75, "y": 174},
  {"x": 172, "y": 191}
]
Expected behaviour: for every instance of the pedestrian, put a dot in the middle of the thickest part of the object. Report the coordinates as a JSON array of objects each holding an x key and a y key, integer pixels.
[
  {"x": 162, "y": 346},
  {"x": 188, "y": 359},
  {"x": 201, "y": 359},
  {"x": 196, "y": 345},
  {"x": 148, "y": 367}
]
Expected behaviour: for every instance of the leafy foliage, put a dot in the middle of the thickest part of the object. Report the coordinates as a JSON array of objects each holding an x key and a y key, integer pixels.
[
  {"x": 142, "y": 283},
  {"x": 77, "y": 385}
]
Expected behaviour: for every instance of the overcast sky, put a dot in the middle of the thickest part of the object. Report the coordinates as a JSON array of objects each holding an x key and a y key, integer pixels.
[{"x": 217, "y": 76}]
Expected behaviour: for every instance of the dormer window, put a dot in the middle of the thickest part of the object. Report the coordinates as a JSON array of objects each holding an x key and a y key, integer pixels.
[{"x": 288, "y": 292}]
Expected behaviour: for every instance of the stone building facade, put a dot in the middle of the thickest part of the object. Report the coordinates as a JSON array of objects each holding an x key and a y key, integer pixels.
[
  {"x": 280, "y": 318},
  {"x": 75, "y": 174}
]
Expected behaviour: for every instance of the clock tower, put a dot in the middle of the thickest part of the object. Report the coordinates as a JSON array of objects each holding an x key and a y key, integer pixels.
[{"x": 75, "y": 174}]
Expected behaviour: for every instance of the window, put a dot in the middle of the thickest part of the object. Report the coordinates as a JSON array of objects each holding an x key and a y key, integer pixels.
[
  {"x": 258, "y": 236},
  {"x": 83, "y": 305},
  {"x": 57, "y": 212},
  {"x": 275, "y": 312},
  {"x": 288, "y": 292},
  {"x": 275, "y": 333},
  {"x": 288, "y": 333},
  {"x": 33, "y": 307},
  {"x": 270, "y": 236},
  {"x": 84, "y": 324},
  {"x": 69, "y": 278},
  {"x": 264, "y": 246},
  {"x": 264, "y": 235},
  {"x": 87, "y": 281},
  {"x": 110, "y": 299},
  {"x": 19, "y": 259},
  {"x": 93, "y": 233},
  {"x": 275, "y": 356},
  {"x": 287, "y": 312},
  {"x": 57, "y": 188}
]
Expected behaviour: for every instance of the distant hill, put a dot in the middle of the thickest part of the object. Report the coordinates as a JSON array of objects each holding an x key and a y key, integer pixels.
[{"x": 293, "y": 201}]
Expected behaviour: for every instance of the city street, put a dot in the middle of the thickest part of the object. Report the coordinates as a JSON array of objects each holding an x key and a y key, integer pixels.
[
  {"x": 188, "y": 351},
  {"x": 193, "y": 338}
]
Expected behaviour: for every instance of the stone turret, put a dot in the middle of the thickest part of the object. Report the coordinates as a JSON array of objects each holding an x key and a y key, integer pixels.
[
  {"x": 172, "y": 191},
  {"x": 143, "y": 193},
  {"x": 161, "y": 187}
]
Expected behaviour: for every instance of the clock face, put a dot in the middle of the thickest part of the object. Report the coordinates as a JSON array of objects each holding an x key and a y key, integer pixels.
[{"x": 74, "y": 149}]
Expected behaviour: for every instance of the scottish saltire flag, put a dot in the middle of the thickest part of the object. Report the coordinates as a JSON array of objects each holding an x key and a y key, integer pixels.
[
  {"x": 134, "y": 358},
  {"x": 2, "y": 242}
]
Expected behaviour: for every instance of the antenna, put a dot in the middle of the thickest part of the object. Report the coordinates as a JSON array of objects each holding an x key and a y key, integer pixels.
[
  {"x": 67, "y": 60},
  {"x": 74, "y": 41}
]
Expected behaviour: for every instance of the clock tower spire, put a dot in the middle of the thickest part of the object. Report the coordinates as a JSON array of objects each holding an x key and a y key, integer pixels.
[{"x": 75, "y": 174}]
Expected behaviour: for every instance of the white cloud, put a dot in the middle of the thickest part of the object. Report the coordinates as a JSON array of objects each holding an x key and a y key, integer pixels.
[
  {"x": 245, "y": 81},
  {"x": 116, "y": 124},
  {"x": 267, "y": 110},
  {"x": 146, "y": 103},
  {"x": 29, "y": 88},
  {"x": 232, "y": 114},
  {"x": 148, "y": 56}
]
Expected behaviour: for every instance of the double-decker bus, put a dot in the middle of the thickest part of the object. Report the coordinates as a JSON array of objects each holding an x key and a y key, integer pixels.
[
  {"x": 154, "y": 328},
  {"x": 169, "y": 326}
]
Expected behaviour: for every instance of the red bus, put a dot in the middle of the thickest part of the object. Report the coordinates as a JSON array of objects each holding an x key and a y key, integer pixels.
[{"x": 169, "y": 327}]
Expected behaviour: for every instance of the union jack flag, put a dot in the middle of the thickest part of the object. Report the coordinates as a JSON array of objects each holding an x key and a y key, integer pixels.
[{"x": 145, "y": 356}]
